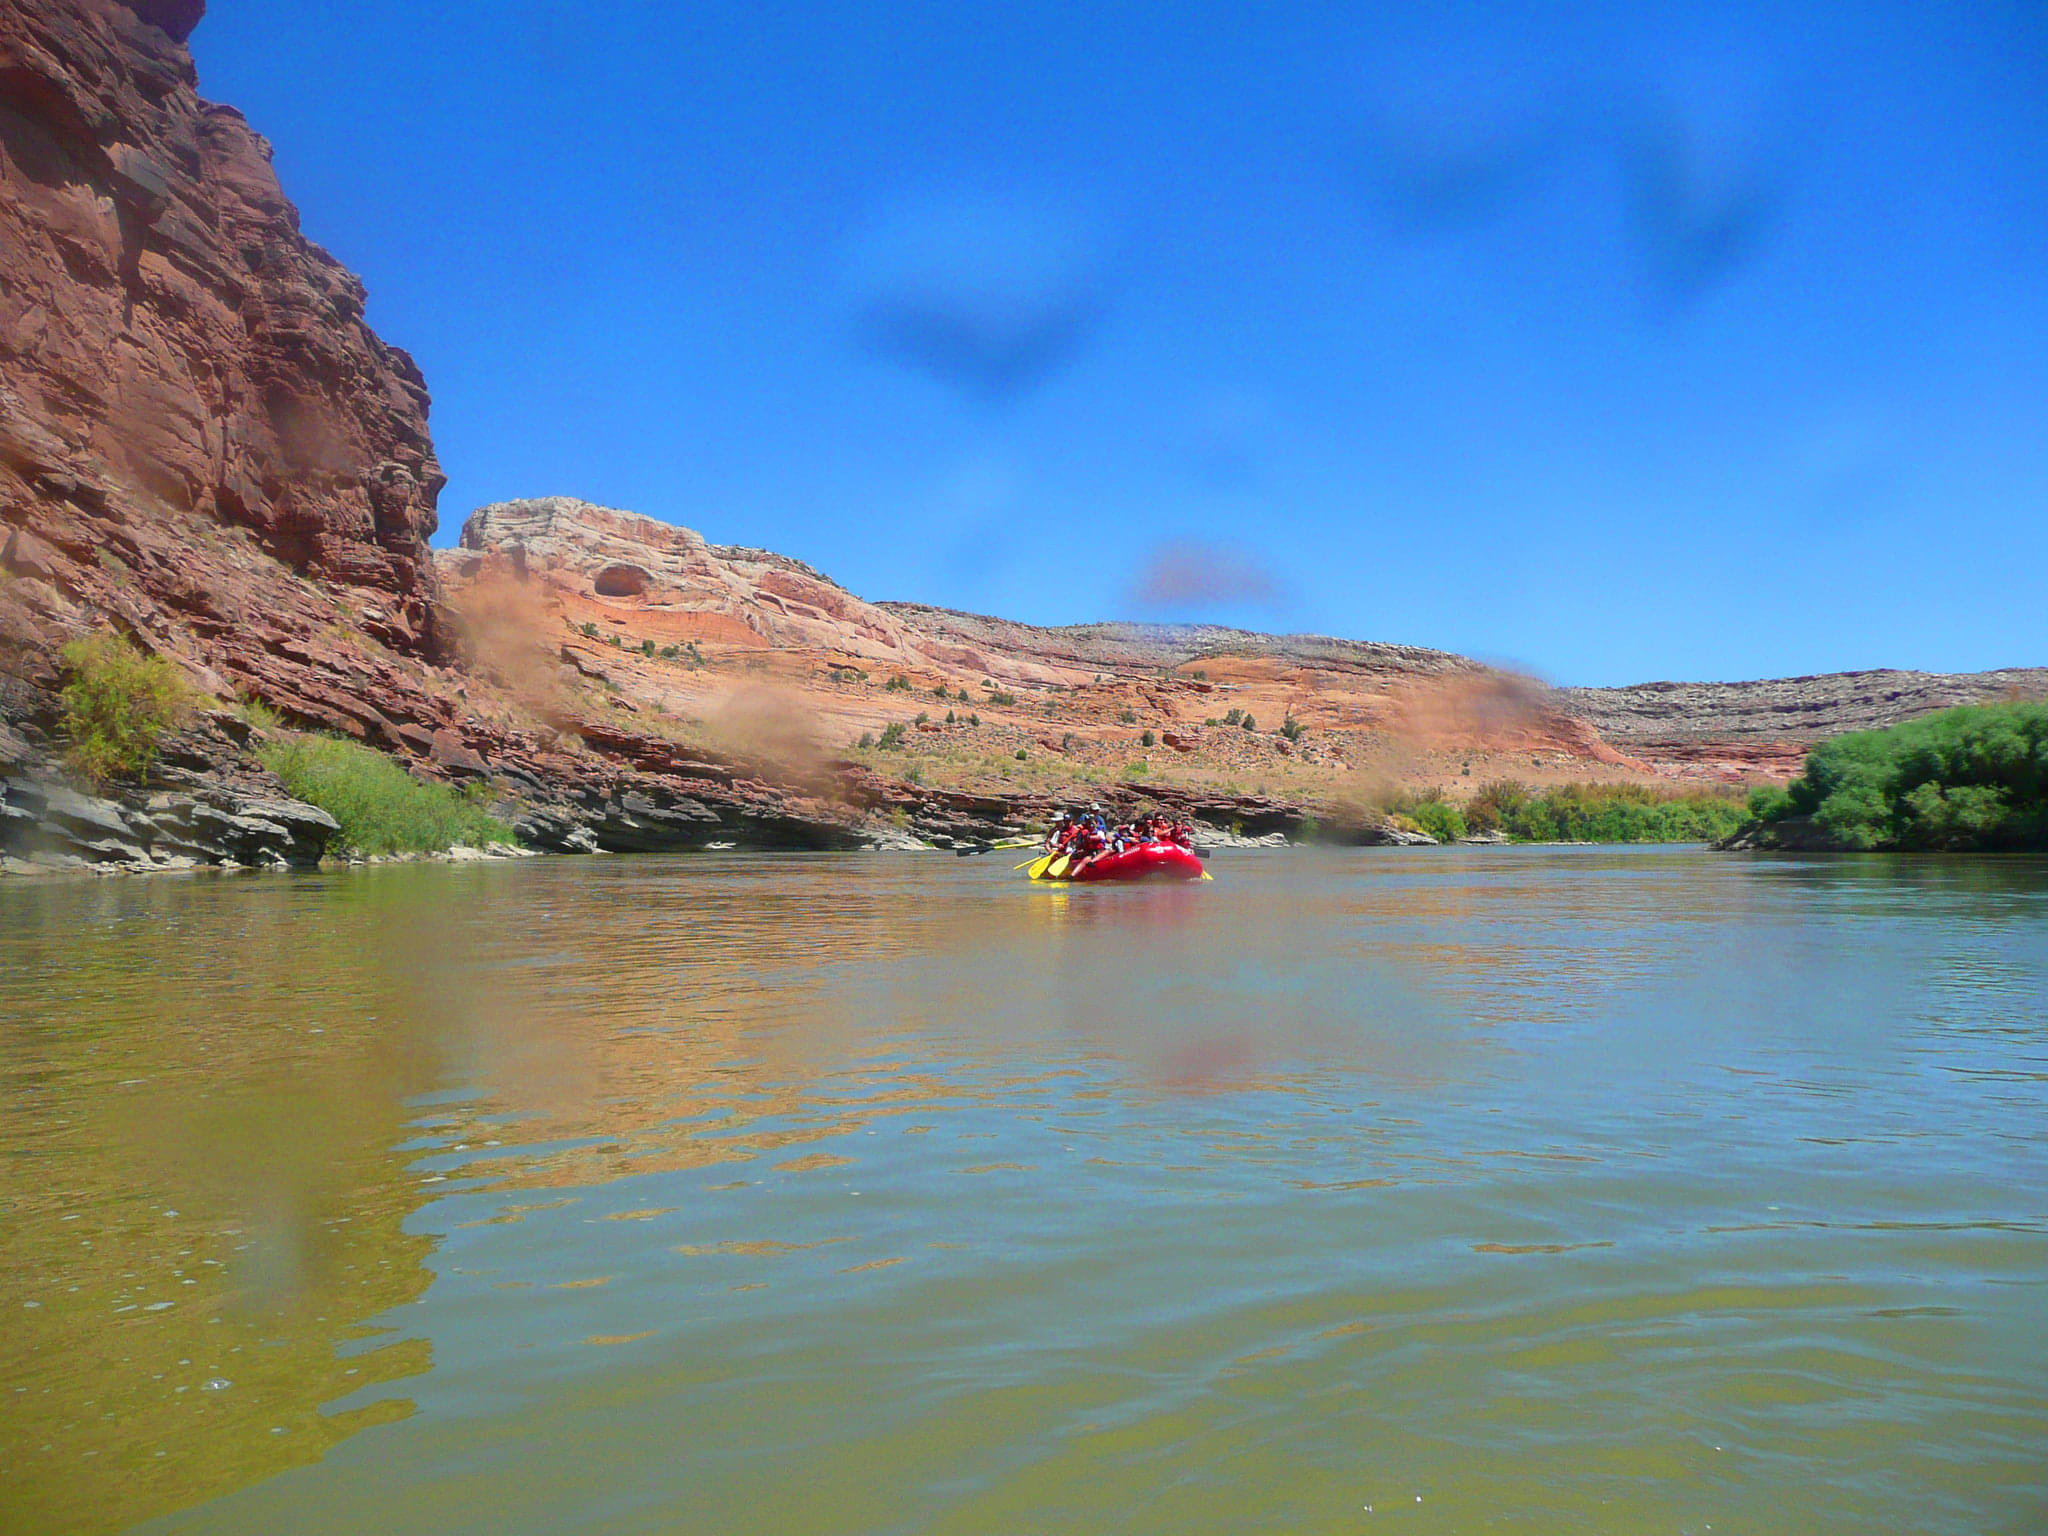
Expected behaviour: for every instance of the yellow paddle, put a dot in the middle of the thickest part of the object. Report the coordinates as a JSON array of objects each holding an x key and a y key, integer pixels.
[
  {"x": 1037, "y": 866},
  {"x": 1058, "y": 866}
]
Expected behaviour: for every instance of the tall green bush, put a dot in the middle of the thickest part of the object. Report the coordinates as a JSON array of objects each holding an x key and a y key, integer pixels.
[
  {"x": 118, "y": 703},
  {"x": 1602, "y": 813},
  {"x": 381, "y": 807},
  {"x": 1975, "y": 777}
]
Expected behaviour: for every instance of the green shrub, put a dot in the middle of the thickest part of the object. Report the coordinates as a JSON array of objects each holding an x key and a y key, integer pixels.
[
  {"x": 892, "y": 735},
  {"x": 1136, "y": 770},
  {"x": 1603, "y": 813},
  {"x": 897, "y": 684},
  {"x": 1020, "y": 754},
  {"x": 117, "y": 705},
  {"x": 997, "y": 696},
  {"x": 1969, "y": 778},
  {"x": 1249, "y": 723},
  {"x": 1430, "y": 812},
  {"x": 1768, "y": 802},
  {"x": 1127, "y": 715},
  {"x": 1292, "y": 728},
  {"x": 646, "y": 647},
  {"x": 1235, "y": 717},
  {"x": 1147, "y": 739},
  {"x": 589, "y": 630},
  {"x": 867, "y": 740},
  {"x": 381, "y": 807},
  {"x": 940, "y": 693},
  {"x": 258, "y": 714}
]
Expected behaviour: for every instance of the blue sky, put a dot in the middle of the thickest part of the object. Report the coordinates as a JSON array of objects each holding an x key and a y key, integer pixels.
[{"x": 1616, "y": 342}]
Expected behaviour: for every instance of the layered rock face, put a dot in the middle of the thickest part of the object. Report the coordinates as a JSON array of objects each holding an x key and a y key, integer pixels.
[
  {"x": 719, "y": 592},
  {"x": 1767, "y": 725},
  {"x": 192, "y": 409}
]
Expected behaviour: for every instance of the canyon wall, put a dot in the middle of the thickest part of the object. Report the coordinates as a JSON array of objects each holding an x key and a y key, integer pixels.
[{"x": 193, "y": 411}]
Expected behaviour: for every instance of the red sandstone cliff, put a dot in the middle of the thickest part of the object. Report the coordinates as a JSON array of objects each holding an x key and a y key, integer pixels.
[{"x": 186, "y": 382}]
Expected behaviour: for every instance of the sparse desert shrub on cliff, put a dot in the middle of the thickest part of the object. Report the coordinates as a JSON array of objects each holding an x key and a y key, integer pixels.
[
  {"x": 892, "y": 735},
  {"x": 867, "y": 740},
  {"x": 1235, "y": 717},
  {"x": 381, "y": 807},
  {"x": 973, "y": 719},
  {"x": 258, "y": 714},
  {"x": 1969, "y": 778},
  {"x": 1136, "y": 770},
  {"x": 897, "y": 684},
  {"x": 1292, "y": 729},
  {"x": 1249, "y": 723},
  {"x": 1147, "y": 739},
  {"x": 940, "y": 693},
  {"x": 117, "y": 705},
  {"x": 646, "y": 647},
  {"x": 588, "y": 629},
  {"x": 1022, "y": 755},
  {"x": 1127, "y": 715}
]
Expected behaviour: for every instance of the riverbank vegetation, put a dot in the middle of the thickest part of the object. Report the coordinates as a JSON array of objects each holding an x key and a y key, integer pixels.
[
  {"x": 382, "y": 808},
  {"x": 118, "y": 703},
  {"x": 1973, "y": 778},
  {"x": 1574, "y": 813}
]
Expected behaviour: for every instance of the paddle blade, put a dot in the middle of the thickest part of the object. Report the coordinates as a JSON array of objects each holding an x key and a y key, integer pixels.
[
  {"x": 1038, "y": 866},
  {"x": 1058, "y": 867}
]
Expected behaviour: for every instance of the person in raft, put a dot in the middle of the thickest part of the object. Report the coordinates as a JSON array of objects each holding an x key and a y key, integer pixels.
[{"x": 1085, "y": 836}]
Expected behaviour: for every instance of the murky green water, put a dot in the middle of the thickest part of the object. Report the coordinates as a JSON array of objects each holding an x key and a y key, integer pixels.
[{"x": 1531, "y": 1190}]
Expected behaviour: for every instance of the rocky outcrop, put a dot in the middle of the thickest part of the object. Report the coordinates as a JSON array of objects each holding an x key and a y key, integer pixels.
[
  {"x": 192, "y": 812},
  {"x": 719, "y": 593},
  {"x": 1766, "y": 726},
  {"x": 193, "y": 413}
]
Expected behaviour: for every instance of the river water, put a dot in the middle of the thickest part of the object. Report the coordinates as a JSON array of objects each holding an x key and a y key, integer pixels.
[{"x": 1527, "y": 1190}]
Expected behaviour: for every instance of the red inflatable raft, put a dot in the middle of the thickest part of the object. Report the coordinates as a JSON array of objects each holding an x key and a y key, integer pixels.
[{"x": 1145, "y": 861}]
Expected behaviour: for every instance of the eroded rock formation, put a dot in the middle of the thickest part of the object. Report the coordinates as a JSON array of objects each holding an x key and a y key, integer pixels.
[{"x": 185, "y": 379}]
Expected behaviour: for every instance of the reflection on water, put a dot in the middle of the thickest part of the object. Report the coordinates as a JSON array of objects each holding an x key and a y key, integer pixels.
[{"x": 1546, "y": 1190}]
